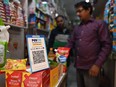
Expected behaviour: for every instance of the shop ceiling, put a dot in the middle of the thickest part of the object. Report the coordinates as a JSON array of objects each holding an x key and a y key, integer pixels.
[{"x": 69, "y": 6}]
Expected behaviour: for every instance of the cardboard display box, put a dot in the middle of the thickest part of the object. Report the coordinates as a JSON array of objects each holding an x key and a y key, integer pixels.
[
  {"x": 13, "y": 78},
  {"x": 37, "y": 79},
  {"x": 55, "y": 74},
  {"x": 26, "y": 79}
]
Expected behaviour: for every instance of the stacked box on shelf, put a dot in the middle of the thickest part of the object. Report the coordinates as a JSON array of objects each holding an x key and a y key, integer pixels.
[
  {"x": 20, "y": 15},
  {"x": 7, "y": 13},
  {"x": 42, "y": 14},
  {"x": 20, "y": 21},
  {"x": 17, "y": 9},
  {"x": 2, "y": 12},
  {"x": 12, "y": 13},
  {"x": 37, "y": 79},
  {"x": 7, "y": 10},
  {"x": 54, "y": 76}
]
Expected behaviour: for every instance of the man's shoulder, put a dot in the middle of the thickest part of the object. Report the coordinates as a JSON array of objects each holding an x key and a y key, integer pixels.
[{"x": 100, "y": 22}]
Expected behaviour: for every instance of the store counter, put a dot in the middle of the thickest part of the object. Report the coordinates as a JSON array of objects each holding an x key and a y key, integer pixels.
[{"x": 61, "y": 82}]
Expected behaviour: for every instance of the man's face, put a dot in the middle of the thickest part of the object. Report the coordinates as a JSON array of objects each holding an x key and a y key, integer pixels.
[
  {"x": 82, "y": 13},
  {"x": 60, "y": 22}
]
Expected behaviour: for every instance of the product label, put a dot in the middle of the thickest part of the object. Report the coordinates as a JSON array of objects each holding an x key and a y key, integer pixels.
[
  {"x": 31, "y": 80},
  {"x": 13, "y": 78}
]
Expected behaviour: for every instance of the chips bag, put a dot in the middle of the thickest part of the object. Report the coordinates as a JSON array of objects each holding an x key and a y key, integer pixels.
[
  {"x": 15, "y": 64},
  {"x": 64, "y": 51},
  {"x": 62, "y": 55}
]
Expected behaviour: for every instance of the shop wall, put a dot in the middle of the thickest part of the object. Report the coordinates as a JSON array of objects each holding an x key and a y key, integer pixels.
[{"x": 16, "y": 44}]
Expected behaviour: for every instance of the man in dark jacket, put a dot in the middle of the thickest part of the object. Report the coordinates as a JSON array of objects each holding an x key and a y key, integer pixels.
[
  {"x": 60, "y": 30},
  {"x": 92, "y": 44}
]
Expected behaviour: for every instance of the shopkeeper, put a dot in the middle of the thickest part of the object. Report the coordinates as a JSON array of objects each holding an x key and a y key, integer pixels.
[{"x": 58, "y": 35}]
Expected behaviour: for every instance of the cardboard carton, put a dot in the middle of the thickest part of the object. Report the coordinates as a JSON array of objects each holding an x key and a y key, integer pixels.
[{"x": 37, "y": 79}]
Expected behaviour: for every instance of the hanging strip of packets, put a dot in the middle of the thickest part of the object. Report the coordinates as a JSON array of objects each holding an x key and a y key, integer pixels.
[
  {"x": 113, "y": 15},
  {"x": 110, "y": 19}
]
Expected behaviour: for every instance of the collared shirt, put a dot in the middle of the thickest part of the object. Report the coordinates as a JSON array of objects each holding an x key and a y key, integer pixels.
[{"x": 92, "y": 43}]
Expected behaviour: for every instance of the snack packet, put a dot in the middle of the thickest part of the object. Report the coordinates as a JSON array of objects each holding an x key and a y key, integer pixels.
[
  {"x": 62, "y": 54},
  {"x": 15, "y": 64}
]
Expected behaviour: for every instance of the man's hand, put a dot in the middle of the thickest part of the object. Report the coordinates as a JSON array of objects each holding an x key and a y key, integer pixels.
[{"x": 94, "y": 70}]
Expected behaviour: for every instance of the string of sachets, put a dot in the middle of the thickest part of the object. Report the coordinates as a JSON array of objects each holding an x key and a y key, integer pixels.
[{"x": 110, "y": 19}]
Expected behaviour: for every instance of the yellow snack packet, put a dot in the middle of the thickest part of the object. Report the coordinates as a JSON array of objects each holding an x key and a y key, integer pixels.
[{"x": 15, "y": 64}]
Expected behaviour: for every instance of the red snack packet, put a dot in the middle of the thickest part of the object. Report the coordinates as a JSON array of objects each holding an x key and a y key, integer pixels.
[{"x": 64, "y": 51}]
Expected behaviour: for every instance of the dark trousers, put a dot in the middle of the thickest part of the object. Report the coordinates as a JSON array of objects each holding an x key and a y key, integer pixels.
[{"x": 85, "y": 80}]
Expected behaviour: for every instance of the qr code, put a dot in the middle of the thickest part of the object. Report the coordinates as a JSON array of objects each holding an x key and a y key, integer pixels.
[{"x": 38, "y": 56}]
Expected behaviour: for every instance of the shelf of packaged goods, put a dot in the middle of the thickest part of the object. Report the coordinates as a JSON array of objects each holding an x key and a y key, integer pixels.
[
  {"x": 12, "y": 25},
  {"x": 32, "y": 23},
  {"x": 37, "y": 18},
  {"x": 62, "y": 81},
  {"x": 43, "y": 12}
]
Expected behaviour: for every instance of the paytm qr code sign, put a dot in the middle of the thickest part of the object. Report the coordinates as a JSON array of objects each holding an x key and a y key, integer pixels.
[
  {"x": 39, "y": 59},
  {"x": 37, "y": 52}
]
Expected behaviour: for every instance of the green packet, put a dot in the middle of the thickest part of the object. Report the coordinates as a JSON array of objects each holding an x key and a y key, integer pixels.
[
  {"x": 52, "y": 63},
  {"x": 3, "y": 50},
  {"x": 1, "y": 22}
]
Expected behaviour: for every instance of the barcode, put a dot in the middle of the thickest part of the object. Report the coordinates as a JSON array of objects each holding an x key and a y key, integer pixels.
[{"x": 38, "y": 56}]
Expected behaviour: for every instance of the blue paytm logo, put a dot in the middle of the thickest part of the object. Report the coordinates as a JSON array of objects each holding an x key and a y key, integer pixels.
[{"x": 36, "y": 40}]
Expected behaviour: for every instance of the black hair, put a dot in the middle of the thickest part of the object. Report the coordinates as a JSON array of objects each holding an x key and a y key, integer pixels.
[
  {"x": 59, "y": 16},
  {"x": 85, "y": 5}
]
